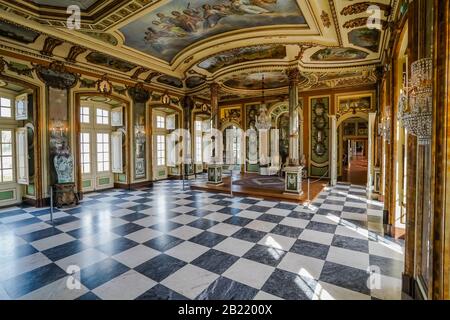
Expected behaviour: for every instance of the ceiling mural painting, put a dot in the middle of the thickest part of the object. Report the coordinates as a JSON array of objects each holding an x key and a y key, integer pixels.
[
  {"x": 170, "y": 81},
  {"x": 165, "y": 32},
  {"x": 17, "y": 33},
  {"x": 254, "y": 81},
  {"x": 194, "y": 81},
  {"x": 110, "y": 62},
  {"x": 365, "y": 38},
  {"x": 339, "y": 54},
  {"x": 241, "y": 55}
]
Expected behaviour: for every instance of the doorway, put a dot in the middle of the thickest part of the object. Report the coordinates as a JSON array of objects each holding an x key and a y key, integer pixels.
[
  {"x": 101, "y": 142},
  {"x": 354, "y": 146}
]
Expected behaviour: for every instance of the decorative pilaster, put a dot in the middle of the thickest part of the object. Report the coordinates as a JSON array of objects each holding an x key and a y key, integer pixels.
[
  {"x": 188, "y": 107},
  {"x": 294, "y": 159},
  {"x": 333, "y": 155},
  {"x": 370, "y": 155},
  {"x": 215, "y": 168},
  {"x": 293, "y": 179}
]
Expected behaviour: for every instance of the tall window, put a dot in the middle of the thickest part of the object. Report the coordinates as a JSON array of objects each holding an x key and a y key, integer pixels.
[
  {"x": 103, "y": 157},
  {"x": 84, "y": 115},
  {"x": 161, "y": 150},
  {"x": 102, "y": 116},
  {"x": 6, "y": 156},
  {"x": 160, "y": 122},
  {"x": 5, "y": 107},
  {"x": 85, "y": 153}
]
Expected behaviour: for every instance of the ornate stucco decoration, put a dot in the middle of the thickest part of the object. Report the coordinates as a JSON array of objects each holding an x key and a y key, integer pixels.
[
  {"x": 362, "y": 7},
  {"x": 325, "y": 19},
  {"x": 56, "y": 76},
  {"x": 360, "y": 22}
]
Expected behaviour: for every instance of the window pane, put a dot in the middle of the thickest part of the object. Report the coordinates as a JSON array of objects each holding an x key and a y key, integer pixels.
[
  {"x": 5, "y": 102},
  {"x": 7, "y": 149},
  {"x": 7, "y": 175},
  {"x": 6, "y": 136},
  {"x": 7, "y": 163}
]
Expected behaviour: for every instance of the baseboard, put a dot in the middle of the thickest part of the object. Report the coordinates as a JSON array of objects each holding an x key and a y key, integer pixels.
[
  {"x": 37, "y": 203},
  {"x": 410, "y": 288}
]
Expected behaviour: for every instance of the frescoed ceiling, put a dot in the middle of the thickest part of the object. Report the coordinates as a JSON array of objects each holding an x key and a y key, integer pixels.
[{"x": 185, "y": 45}]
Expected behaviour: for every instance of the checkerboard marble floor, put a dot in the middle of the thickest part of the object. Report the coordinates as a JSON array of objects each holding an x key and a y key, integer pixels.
[{"x": 166, "y": 243}]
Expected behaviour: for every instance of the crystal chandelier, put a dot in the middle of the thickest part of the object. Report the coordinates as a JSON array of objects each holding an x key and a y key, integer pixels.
[
  {"x": 263, "y": 121},
  {"x": 416, "y": 101}
]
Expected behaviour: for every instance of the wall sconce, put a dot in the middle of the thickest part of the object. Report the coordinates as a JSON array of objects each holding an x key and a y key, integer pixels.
[
  {"x": 384, "y": 128},
  {"x": 59, "y": 128}
]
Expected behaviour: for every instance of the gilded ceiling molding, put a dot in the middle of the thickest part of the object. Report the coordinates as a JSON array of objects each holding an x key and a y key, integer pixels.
[
  {"x": 49, "y": 45},
  {"x": 336, "y": 22},
  {"x": 303, "y": 47},
  {"x": 152, "y": 75},
  {"x": 138, "y": 72},
  {"x": 362, "y": 7},
  {"x": 74, "y": 52},
  {"x": 360, "y": 22}
]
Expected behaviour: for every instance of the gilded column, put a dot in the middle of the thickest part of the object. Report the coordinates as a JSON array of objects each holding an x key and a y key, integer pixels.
[
  {"x": 215, "y": 168},
  {"x": 294, "y": 159},
  {"x": 293, "y": 179}
]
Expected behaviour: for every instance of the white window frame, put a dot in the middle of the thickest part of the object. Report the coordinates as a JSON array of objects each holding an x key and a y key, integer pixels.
[
  {"x": 116, "y": 152},
  {"x": 22, "y": 156},
  {"x": 10, "y": 107},
  {"x": 105, "y": 114},
  {"x": 160, "y": 121},
  {"x": 83, "y": 152},
  {"x": 160, "y": 150},
  {"x": 7, "y": 156},
  {"x": 100, "y": 151},
  {"x": 83, "y": 115}
]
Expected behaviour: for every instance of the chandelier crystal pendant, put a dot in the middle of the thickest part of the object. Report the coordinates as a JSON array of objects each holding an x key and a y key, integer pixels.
[
  {"x": 416, "y": 101},
  {"x": 263, "y": 121}
]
